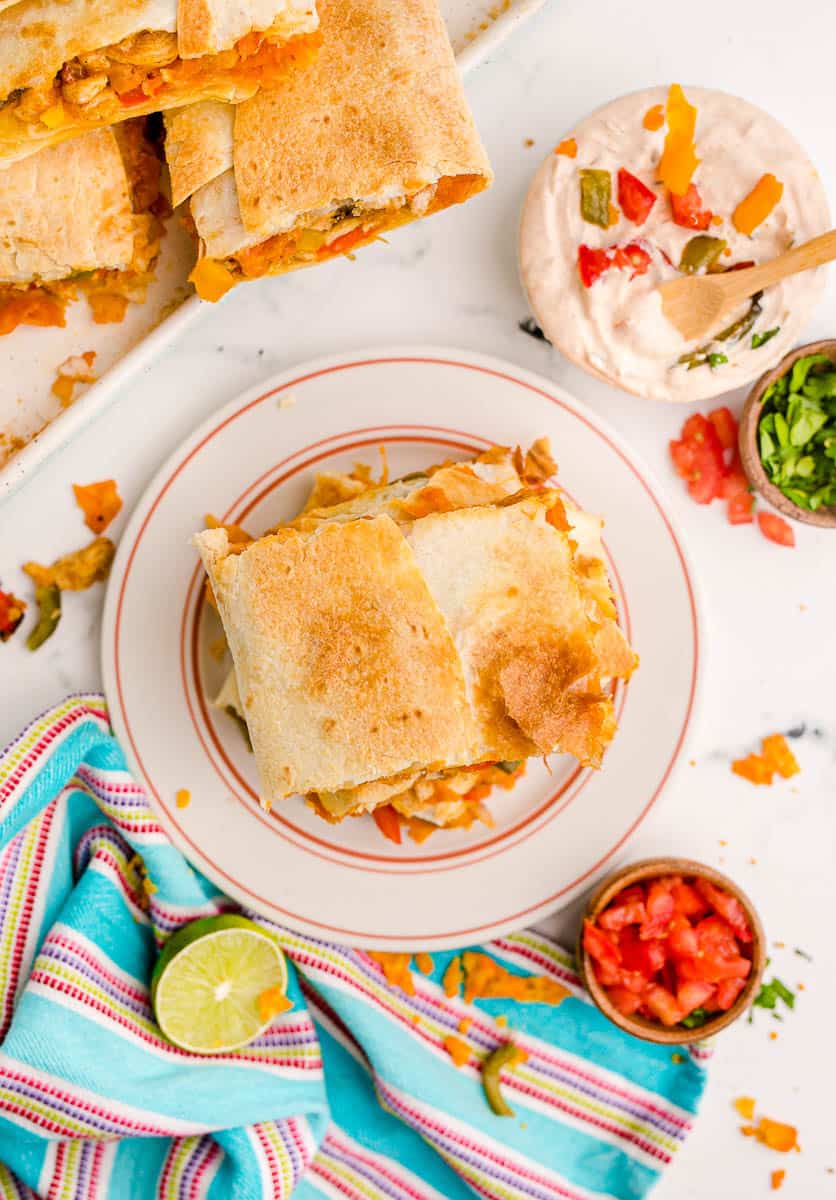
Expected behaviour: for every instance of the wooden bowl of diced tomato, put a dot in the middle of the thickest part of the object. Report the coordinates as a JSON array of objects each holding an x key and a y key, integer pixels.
[{"x": 671, "y": 950}]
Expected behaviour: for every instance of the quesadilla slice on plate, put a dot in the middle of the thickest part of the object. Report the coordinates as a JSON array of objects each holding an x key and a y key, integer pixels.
[
  {"x": 413, "y": 645},
  {"x": 374, "y": 134}
]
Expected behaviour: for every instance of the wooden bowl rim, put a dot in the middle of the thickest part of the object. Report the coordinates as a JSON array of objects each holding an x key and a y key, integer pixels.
[
  {"x": 824, "y": 518},
  {"x": 650, "y": 1031}
]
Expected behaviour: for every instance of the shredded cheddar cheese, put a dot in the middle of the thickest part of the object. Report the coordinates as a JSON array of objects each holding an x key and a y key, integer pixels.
[
  {"x": 458, "y": 1050},
  {"x": 396, "y": 969},
  {"x": 486, "y": 979},
  {"x": 182, "y": 797},
  {"x": 273, "y": 1002},
  {"x": 452, "y": 980}
]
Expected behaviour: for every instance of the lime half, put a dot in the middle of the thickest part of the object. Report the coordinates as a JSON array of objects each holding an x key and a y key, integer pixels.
[{"x": 218, "y": 983}]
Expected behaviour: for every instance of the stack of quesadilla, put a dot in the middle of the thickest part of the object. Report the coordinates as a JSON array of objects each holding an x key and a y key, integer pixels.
[
  {"x": 404, "y": 646},
  {"x": 374, "y": 133},
  {"x": 67, "y": 66},
  {"x": 81, "y": 215}
]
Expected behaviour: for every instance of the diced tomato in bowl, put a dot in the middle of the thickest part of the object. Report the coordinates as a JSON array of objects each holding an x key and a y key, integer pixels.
[{"x": 671, "y": 957}]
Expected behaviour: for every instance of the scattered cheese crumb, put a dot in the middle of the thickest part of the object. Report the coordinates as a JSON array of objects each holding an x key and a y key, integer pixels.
[
  {"x": 502, "y": 1021},
  {"x": 452, "y": 980},
  {"x": 272, "y": 1002},
  {"x": 458, "y": 1050},
  {"x": 776, "y": 1179},
  {"x": 773, "y": 1037},
  {"x": 75, "y": 369},
  {"x": 424, "y": 963},
  {"x": 464, "y": 1024},
  {"x": 182, "y": 797},
  {"x": 287, "y": 400},
  {"x": 745, "y": 1105}
]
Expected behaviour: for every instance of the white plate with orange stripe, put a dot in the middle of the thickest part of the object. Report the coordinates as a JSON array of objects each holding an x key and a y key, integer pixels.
[{"x": 254, "y": 463}]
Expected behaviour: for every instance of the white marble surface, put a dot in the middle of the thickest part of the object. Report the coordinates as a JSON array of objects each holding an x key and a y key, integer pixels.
[{"x": 771, "y": 659}]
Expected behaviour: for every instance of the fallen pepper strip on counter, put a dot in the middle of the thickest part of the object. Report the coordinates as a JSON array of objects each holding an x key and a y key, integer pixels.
[
  {"x": 508, "y": 1055},
  {"x": 74, "y": 572}
]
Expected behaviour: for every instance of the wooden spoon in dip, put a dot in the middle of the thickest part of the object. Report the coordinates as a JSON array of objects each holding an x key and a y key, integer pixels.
[{"x": 696, "y": 304}]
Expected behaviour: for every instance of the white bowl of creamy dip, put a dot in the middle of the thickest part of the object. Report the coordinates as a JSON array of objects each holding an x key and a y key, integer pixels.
[{"x": 613, "y": 325}]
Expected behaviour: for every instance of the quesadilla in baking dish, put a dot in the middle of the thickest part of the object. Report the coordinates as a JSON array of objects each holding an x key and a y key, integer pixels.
[
  {"x": 410, "y": 645},
  {"x": 109, "y": 181},
  {"x": 375, "y": 133},
  {"x": 71, "y": 65}
]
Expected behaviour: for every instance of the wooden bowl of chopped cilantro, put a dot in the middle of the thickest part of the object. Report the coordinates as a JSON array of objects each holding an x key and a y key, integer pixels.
[{"x": 788, "y": 435}]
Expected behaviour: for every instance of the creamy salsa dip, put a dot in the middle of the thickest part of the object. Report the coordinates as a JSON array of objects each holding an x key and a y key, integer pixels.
[{"x": 614, "y": 324}]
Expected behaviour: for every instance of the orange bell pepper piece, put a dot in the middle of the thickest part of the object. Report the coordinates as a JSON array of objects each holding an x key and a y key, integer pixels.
[
  {"x": 679, "y": 158},
  {"x": 753, "y": 209}
]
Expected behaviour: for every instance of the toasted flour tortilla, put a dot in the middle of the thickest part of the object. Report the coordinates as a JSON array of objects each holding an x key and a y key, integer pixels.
[
  {"x": 181, "y": 51},
  {"x": 376, "y": 132}
]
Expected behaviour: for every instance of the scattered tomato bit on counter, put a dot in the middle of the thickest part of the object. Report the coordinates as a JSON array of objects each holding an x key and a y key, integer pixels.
[
  {"x": 776, "y": 1179},
  {"x": 464, "y": 1024},
  {"x": 745, "y": 1105},
  {"x": 679, "y": 159},
  {"x": 753, "y": 209},
  {"x": 568, "y": 147},
  {"x": 458, "y": 1050},
  {"x": 776, "y": 529},
  {"x": 100, "y": 503},
  {"x": 11, "y": 614},
  {"x": 75, "y": 369},
  {"x": 654, "y": 118},
  {"x": 706, "y": 457},
  {"x": 775, "y": 758},
  {"x": 486, "y": 979},
  {"x": 273, "y": 1002},
  {"x": 452, "y": 980},
  {"x": 671, "y": 949},
  {"x": 182, "y": 797},
  {"x": 424, "y": 963},
  {"x": 773, "y": 1037}
]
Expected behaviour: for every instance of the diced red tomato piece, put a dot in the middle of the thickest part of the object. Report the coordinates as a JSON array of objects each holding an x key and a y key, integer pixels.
[
  {"x": 740, "y": 509},
  {"x": 729, "y": 907},
  {"x": 688, "y": 210},
  {"x": 776, "y": 529},
  {"x": 712, "y": 967},
  {"x": 633, "y": 981},
  {"x": 625, "y": 1002},
  {"x": 693, "y": 994},
  {"x": 688, "y": 901},
  {"x": 682, "y": 940},
  {"x": 646, "y": 956},
  {"x": 715, "y": 933},
  {"x": 600, "y": 946},
  {"x": 388, "y": 822},
  {"x": 627, "y": 909},
  {"x": 684, "y": 455},
  {"x": 734, "y": 482},
  {"x": 635, "y": 199},
  {"x": 727, "y": 992},
  {"x": 607, "y": 974},
  {"x": 725, "y": 426},
  {"x": 698, "y": 458},
  {"x": 663, "y": 1005},
  {"x": 660, "y": 908},
  {"x": 592, "y": 263},
  {"x": 133, "y": 97}
]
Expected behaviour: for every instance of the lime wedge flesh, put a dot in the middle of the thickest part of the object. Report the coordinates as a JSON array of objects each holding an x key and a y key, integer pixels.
[{"x": 206, "y": 986}]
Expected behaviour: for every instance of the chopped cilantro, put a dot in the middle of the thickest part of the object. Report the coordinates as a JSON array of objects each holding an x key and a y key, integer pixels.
[
  {"x": 770, "y": 993},
  {"x": 797, "y": 432},
  {"x": 696, "y": 1018},
  {"x": 760, "y": 339},
  {"x": 509, "y": 767}
]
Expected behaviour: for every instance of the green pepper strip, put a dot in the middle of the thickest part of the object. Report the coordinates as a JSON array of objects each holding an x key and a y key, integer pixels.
[
  {"x": 504, "y": 1056},
  {"x": 701, "y": 251},
  {"x": 596, "y": 189},
  {"x": 735, "y": 331},
  {"x": 509, "y": 767},
  {"x": 48, "y": 600}
]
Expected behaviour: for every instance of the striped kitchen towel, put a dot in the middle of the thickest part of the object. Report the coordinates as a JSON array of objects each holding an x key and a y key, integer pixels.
[{"x": 350, "y": 1094}]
